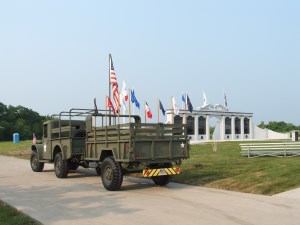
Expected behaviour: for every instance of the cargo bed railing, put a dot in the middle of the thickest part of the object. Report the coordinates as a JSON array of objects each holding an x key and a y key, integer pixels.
[{"x": 138, "y": 131}]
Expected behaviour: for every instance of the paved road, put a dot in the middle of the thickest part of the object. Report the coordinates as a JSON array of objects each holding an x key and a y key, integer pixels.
[{"x": 81, "y": 199}]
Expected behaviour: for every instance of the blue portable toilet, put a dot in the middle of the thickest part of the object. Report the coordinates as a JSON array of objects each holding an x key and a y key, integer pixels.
[{"x": 16, "y": 138}]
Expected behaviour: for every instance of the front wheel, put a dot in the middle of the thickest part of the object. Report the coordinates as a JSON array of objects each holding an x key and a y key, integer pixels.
[
  {"x": 111, "y": 174},
  {"x": 60, "y": 166},
  {"x": 36, "y": 166},
  {"x": 161, "y": 180}
]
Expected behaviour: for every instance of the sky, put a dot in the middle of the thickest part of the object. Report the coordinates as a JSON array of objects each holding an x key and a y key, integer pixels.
[{"x": 54, "y": 55}]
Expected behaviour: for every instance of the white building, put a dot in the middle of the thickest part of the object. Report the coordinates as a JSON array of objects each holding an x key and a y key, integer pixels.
[{"x": 230, "y": 125}]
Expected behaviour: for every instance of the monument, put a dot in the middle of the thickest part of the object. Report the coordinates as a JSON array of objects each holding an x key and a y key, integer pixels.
[{"x": 230, "y": 125}]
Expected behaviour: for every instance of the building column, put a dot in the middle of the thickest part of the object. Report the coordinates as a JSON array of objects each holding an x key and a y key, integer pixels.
[
  {"x": 242, "y": 128},
  {"x": 232, "y": 127},
  {"x": 207, "y": 128},
  {"x": 222, "y": 128},
  {"x": 250, "y": 128},
  {"x": 196, "y": 126},
  {"x": 184, "y": 118}
]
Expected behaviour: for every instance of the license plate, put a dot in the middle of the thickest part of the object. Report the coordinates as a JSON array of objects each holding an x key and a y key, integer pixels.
[{"x": 162, "y": 172}]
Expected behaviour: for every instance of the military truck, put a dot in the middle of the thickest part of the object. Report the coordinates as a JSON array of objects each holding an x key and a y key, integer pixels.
[{"x": 81, "y": 137}]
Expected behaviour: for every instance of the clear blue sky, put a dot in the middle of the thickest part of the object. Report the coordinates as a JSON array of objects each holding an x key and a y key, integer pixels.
[{"x": 54, "y": 54}]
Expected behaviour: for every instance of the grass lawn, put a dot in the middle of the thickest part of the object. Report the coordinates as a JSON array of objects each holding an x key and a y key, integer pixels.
[
  {"x": 20, "y": 150},
  {"x": 226, "y": 169},
  {"x": 11, "y": 216}
]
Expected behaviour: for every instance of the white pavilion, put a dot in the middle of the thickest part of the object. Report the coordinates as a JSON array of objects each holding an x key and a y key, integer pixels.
[{"x": 230, "y": 125}]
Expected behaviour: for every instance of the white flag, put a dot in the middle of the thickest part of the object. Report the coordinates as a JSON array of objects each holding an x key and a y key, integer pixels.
[
  {"x": 204, "y": 99},
  {"x": 175, "y": 107},
  {"x": 124, "y": 96}
]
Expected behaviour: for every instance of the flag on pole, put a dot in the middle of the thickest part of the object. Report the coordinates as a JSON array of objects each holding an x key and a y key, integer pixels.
[
  {"x": 183, "y": 99},
  {"x": 175, "y": 107},
  {"x": 124, "y": 91},
  {"x": 114, "y": 85},
  {"x": 225, "y": 99},
  {"x": 95, "y": 106},
  {"x": 189, "y": 104},
  {"x": 204, "y": 99},
  {"x": 148, "y": 111},
  {"x": 134, "y": 99},
  {"x": 161, "y": 107},
  {"x": 33, "y": 138},
  {"x": 123, "y": 102},
  {"x": 110, "y": 104}
]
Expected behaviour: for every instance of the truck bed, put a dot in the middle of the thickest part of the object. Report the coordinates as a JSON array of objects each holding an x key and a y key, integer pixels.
[{"x": 139, "y": 142}]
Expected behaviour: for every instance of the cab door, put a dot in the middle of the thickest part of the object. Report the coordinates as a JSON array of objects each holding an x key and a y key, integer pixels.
[{"x": 47, "y": 151}]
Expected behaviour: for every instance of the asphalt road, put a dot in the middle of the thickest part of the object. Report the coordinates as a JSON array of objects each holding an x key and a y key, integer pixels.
[{"x": 81, "y": 199}]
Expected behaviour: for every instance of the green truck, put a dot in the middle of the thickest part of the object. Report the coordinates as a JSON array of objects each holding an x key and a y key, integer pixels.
[{"x": 81, "y": 137}]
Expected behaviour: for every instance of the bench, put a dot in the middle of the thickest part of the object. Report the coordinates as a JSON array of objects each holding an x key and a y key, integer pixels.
[{"x": 288, "y": 149}]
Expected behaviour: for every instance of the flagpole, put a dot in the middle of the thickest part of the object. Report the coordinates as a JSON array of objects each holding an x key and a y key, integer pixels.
[
  {"x": 109, "y": 65},
  {"x": 185, "y": 102},
  {"x": 173, "y": 109},
  {"x": 158, "y": 110},
  {"x": 129, "y": 100},
  {"x": 106, "y": 111},
  {"x": 145, "y": 110},
  {"x": 119, "y": 110}
]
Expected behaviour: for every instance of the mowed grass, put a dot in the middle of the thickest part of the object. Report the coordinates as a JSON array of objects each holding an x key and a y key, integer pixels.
[
  {"x": 227, "y": 169},
  {"x": 20, "y": 150},
  {"x": 11, "y": 216}
]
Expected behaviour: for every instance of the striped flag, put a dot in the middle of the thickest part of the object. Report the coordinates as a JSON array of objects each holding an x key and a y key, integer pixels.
[
  {"x": 114, "y": 85},
  {"x": 110, "y": 105}
]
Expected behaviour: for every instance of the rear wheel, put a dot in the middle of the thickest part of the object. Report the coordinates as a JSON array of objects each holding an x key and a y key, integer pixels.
[
  {"x": 36, "y": 166},
  {"x": 161, "y": 180},
  {"x": 60, "y": 166},
  {"x": 111, "y": 174}
]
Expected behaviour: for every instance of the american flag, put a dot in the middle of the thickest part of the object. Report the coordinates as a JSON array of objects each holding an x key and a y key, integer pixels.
[
  {"x": 110, "y": 105},
  {"x": 114, "y": 85}
]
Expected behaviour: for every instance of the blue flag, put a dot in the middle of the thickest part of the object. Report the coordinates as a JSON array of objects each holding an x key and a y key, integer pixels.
[
  {"x": 189, "y": 104},
  {"x": 183, "y": 98},
  {"x": 162, "y": 108},
  {"x": 133, "y": 99}
]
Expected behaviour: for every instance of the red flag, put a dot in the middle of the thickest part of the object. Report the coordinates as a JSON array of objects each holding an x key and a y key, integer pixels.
[
  {"x": 110, "y": 105},
  {"x": 148, "y": 111},
  {"x": 114, "y": 85}
]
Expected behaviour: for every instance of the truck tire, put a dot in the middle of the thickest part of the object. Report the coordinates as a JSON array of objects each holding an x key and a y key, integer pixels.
[
  {"x": 111, "y": 174},
  {"x": 60, "y": 166},
  {"x": 36, "y": 166},
  {"x": 161, "y": 180}
]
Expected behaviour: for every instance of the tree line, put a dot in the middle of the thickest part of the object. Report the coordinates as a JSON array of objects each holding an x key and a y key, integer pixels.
[
  {"x": 20, "y": 120},
  {"x": 281, "y": 127}
]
